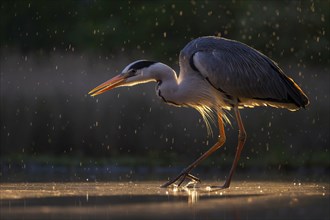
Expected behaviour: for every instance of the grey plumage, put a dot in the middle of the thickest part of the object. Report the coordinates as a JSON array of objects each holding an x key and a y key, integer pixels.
[
  {"x": 215, "y": 74},
  {"x": 242, "y": 73}
]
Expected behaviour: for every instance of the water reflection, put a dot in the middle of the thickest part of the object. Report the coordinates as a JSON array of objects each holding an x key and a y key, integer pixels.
[
  {"x": 147, "y": 200},
  {"x": 192, "y": 196},
  {"x": 189, "y": 190}
]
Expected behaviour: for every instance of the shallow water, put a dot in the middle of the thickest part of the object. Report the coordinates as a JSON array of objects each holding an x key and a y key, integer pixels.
[{"x": 146, "y": 200}]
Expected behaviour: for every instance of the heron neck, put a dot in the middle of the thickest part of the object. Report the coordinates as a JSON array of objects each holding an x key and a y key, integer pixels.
[
  {"x": 167, "y": 79},
  {"x": 165, "y": 74}
]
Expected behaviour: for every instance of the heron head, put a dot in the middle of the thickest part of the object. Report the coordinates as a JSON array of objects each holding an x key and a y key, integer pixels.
[{"x": 135, "y": 73}]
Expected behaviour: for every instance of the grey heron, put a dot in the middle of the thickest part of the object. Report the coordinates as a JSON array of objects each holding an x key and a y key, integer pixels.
[{"x": 216, "y": 74}]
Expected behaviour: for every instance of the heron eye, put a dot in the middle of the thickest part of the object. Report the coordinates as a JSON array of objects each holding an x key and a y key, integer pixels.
[{"x": 131, "y": 72}]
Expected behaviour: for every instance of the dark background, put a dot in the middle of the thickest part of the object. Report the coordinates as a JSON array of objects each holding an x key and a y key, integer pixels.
[{"x": 54, "y": 52}]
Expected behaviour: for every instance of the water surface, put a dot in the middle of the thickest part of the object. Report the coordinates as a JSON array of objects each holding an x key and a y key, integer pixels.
[{"x": 146, "y": 200}]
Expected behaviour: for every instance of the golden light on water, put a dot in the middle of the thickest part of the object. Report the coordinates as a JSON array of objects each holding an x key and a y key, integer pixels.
[{"x": 118, "y": 199}]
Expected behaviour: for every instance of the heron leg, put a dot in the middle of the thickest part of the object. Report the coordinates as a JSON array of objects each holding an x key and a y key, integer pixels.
[
  {"x": 186, "y": 172},
  {"x": 240, "y": 145}
]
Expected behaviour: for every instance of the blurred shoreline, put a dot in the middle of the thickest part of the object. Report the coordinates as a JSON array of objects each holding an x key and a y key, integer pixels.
[{"x": 36, "y": 172}]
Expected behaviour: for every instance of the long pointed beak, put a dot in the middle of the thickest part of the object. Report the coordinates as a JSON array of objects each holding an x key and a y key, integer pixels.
[{"x": 110, "y": 84}]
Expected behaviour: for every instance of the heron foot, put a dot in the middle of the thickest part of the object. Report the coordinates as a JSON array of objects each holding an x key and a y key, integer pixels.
[
  {"x": 215, "y": 188},
  {"x": 180, "y": 178}
]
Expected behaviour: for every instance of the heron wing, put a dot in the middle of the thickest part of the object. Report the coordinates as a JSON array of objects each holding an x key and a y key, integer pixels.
[{"x": 244, "y": 73}]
